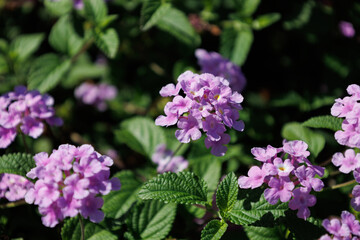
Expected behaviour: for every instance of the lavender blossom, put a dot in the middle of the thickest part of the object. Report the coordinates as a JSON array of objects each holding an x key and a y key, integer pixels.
[
  {"x": 345, "y": 228},
  {"x": 70, "y": 181},
  {"x": 167, "y": 162},
  {"x": 209, "y": 104},
  {"x": 13, "y": 187},
  {"x": 346, "y": 29},
  {"x": 26, "y": 110}
]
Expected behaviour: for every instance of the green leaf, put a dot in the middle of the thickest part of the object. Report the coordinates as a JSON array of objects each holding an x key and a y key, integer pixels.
[
  {"x": 151, "y": 13},
  {"x": 16, "y": 163},
  {"x": 95, "y": 10},
  {"x": 252, "y": 207},
  {"x": 260, "y": 233},
  {"x": 141, "y": 134},
  {"x": 71, "y": 230},
  {"x": 248, "y": 7},
  {"x": 265, "y": 20},
  {"x": 214, "y": 230},
  {"x": 63, "y": 37},
  {"x": 4, "y": 68},
  {"x": 236, "y": 44},
  {"x": 329, "y": 122},
  {"x": 117, "y": 203},
  {"x": 181, "y": 187},
  {"x": 107, "y": 41},
  {"x": 59, "y": 7},
  {"x": 24, "y": 46},
  {"x": 176, "y": 23},
  {"x": 226, "y": 194},
  {"x": 151, "y": 220},
  {"x": 296, "y": 131},
  {"x": 47, "y": 71}
]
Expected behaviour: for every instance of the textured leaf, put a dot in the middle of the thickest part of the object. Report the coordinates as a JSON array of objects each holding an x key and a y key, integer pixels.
[
  {"x": 71, "y": 231},
  {"x": 16, "y": 163},
  {"x": 141, "y": 134},
  {"x": 296, "y": 131},
  {"x": 59, "y": 7},
  {"x": 24, "y": 45},
  {"x": 151, "y": 220},
  {"x": 265, "y": 20},
  {"x": 176, "y": 23},
  {"x": 213, "y": 230},
  {"x": 248, "y": 7},
  {"x": 157, "y": 16},
  {"x": 182, "y": 187},
  {"x": 107, "y": 41},
  {"x": 151, "y": 12},
  {"x": 329, "y": 122},
  {"x": 260, "y": 233},
  {"x": 47, "y": 71},
  {"x": 95, "y": 10},
  {"x": 226, "y": 193},
  {"x": 117, "y": 203},
  {"x": 252, "y": 207},
  {"x": 63, "y": 37}
]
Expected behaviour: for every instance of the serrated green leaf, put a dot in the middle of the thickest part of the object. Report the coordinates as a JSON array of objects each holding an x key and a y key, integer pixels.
[
  {"x": 252, "y": 206},
  {"x": 265, "y": 20},
  {"x": 260, "y": 233},
  {"x": 107, "y": 20},
  {"x": 63, "y": 37},
  {"x": 226, "y": 194},
  {"x": 107, "y": 41},
  {"x": 329, "y": 122},
  {"x": 296, "y": 131},
  {"x": 151, "y": 220},
  {"x": 16, "y": 163},
  {"x": 176, "y": 23},
  {"x": 213, "y": 230},
  {"x": 159, "y": 12},
  {"x": 47, "y": 71},
  {"x": 95, "y": 10},
  {"x": 71, "y": 230},
  {"x": 141, "y": 134},
  {"x": 181, "y": 187},
  {"x": 248, "y": 7},
  {"x": 117, "y": 203},
  {"x": 59, "y": 7},
  {"x": 24, "y": 46}
]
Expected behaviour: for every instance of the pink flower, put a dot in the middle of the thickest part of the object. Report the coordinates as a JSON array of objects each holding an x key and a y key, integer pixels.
[
  {"x": 347, "y": 29},
  {"x": 280, "y": 188},
  {"x": 301, "y": 201},
  {"x": 255, "y": 179},
  {"x": 348, "y": 162}
]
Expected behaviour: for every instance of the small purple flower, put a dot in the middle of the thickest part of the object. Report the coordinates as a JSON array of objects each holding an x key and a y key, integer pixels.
[
  {"x": 167, "y": 162},
  {"x": 347, "y": 162},
  {"x": 264, "y": 155},
  {"x": 13, "y": 187},
  {"x": 306, "y": 176},
  {"x": 345, "y": 228},
  {"x": 301, "y": 201},
  {"x": 350, "y": 220},
  {"x": 255, "y": 179},
  {"x": 280, "y": 188},
  {"x": 296, "y": 148},
  {"x": 347, "y": 29},
  {"x": 26, "y": 110},
  {"x": 209, "y": 104},
  {"x": 69, "y": 182},
  {"x": 214, "y": 63},
  {"x": 355, "y": 201},
  {"x": 96, "y": 94}
]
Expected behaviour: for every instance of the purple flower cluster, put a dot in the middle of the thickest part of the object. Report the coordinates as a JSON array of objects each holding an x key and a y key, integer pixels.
[
  {"x": 347, "y": 29},
  {"x": 290, "y": 176},
  {"x": 166, "y": 160},
  {"x": 348, "y": 108},
  {"x": 214, "y": 63},
  {"x": 69, "y": 182},
  {"x": 209, "y": 104},
  {"x": 96, "y": 94},
  {"x": 27, "y": 109},
  {"x": 346, "y": 228},
  {"x": 13, "y": 187}
]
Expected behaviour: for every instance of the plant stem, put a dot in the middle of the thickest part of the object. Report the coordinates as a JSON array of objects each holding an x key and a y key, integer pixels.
[
  {"x": 82, "y": 227},
  {"x": 177, "y": 149},
  {"x": 13, "y": 204},
  {"x": 83, "y": 49},
  {"x": 341, "y": 185},
  {"x": 24, "y": 141}
]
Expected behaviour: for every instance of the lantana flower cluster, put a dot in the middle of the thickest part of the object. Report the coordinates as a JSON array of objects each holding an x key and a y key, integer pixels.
[
  {"x": 209, "y": 104},
  {"x": 26, "y": 110},
  {"x": 95, "y": 94},
  {"x": 13, "y": 187},
  {"x": 289, "y": 175},
  {"x": 345, "y": 228},
  {"x": 348, "y": 108},
  {"x": 214, "y": 63},
  {"x": 166, "y": 160},
  {"x": 70, "y": 181}
]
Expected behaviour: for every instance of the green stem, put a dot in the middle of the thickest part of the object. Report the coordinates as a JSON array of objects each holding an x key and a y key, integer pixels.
[
  {"x": 24, "y": 141},
  {"x": 13, "y": 204},
  {"x": 341, "y": 185},
  {"x": 177, "y": 149},
  {"x": 84, "y": 48},
  {"x": 82, "y": 227}
]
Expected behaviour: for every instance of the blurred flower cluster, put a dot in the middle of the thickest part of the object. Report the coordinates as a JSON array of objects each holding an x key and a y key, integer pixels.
[
  {"x": 69, "y": 182},
  {"x": 345, "y": 228},
  {"x": 13, "y": 187},
  {"x": 166, "y": 160}
]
